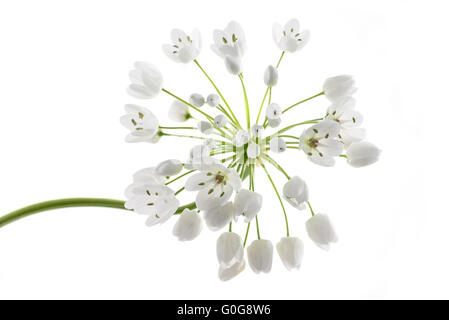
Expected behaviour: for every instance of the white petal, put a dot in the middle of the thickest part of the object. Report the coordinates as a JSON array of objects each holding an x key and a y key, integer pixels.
[
  {"x": 271, "y": 76},
  {"x": 198, "y": 181},
  {"x": 213, "y": 100},
  {"x": 362, "y": 154},
  {"x": 260, "y": 256},
  {"x": 226, "y": 274},
  {"x": 188, "y": 226},
  {"x": 229, "y": 249},
  {"x": 197, "y": 100},
  {"x": 213, "y": 196},
  {"x": 273, "y": 111},
  {"x": 320, "y": 230},
  {"x": 277, "y": 145},
  {"x": 169, "y": 167},
  {"x": 233, "y": 64},
  {"x": 253, "y": 151},
  {"x": 219, "y": 217},
  {"x": 247, "y": 203},
  {"x": 291, "y": 251}
]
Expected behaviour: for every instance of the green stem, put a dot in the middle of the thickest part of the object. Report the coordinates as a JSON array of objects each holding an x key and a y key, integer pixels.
[
  {"x": 295, "y": 125},
  {"x": 179, "y": 177},
  {"x": 218, "y": 91},
  {"x": 71, "y": 202},
  {"x": 248, "y": 121},
  {"x": 276, "y": 165},
  {"x": 302, "y": 101},
  {"x": 187, "y": 128},
  {"x": 183, "y": 136},
  {"x": 261, "y": 105},
  {"x": 280, "y": 59},
  {"x": 310, "y": 207},
  {"x": 189, "y": 104},
  {"x": 246, "y": 235},
  {"x": 279, "y": 197}
]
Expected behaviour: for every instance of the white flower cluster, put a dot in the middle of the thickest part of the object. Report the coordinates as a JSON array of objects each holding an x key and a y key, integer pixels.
[{"x": 232, "y": 153}]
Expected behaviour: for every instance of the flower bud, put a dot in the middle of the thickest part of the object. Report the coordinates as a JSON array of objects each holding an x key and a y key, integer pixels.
[
  {"x": 205, "y": 127},
  {"x": 278, "y": 145},
  {"x": 179, "y": 112},
  {"x": 340, "y": 86},
  {"x": 361, "y": 154},
  {"x": 220, "y": 121},
  {"x": 257, "y": 130},
  {"x": 273, "y": 111},
  {"x": 260, "y": 256},
  {"x": 247, "y": 203},
  {"x": 270, "y": 76},
  {"x": 229, "y": 249},
  {"x": 291, "y": 251},
  {"x": 219, "y": 216},
  {"x": 196, "y": 99},
  {"x": 188, "y": 226},
  {"x": 296, "y": 192},
  {"x": 169, "y": 167},
  {"x": 321, "y": 231},
  {"x": 213, "y": 100}
]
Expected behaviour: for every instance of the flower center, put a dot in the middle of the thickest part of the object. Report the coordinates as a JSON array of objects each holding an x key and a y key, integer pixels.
[
  {"x": 313, "y": 143},
  {"x": 219, "y": 178}
]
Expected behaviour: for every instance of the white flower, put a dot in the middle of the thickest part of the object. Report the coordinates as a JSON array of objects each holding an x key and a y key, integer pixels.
[
  {"x": 339, "y": 86},
  {"x": 291, "y": 251},
  {"x": 188, "y": 226},
  {"x": 213, "y": 100},
  {"x": 277, "y": 145},
  {"x": 220, "y": 121},
  {"x": 342, "y": 111},
  {"x": 362, "y": 154},
  {"x": 289, "y": 38},
  {"x": 321, "y": 231},
  {"x": 179, "y": 112},
  {"x": 215, "y": 184},
  {"x": 184, "y": 48},
  {"x": 230, "y": 42},
  {"x": 233, "y": 64},
  {"x": 226, "y": 274},
  {"x": 257, "y": 130},
  {"x": 273, "y": 111},
  {"x": 296, "y": 192},
  {"x": 253, "y": 151},
  {"x": 199, "y": 156},
  {"x": 218, "y": 217},
  {"x": 319, "y": 143},
  {"x": 270, "y": 76},
  {"x": 273, "y": 123},
  {"x": 260, "y": 255},
  {"x": 205, "y": 127},
  {"x": 143, "y": 125},
  {"x": 247, "y": 203},
  {"x": 142, "y": 177},
  {"x": 240, "y": 138},
  {"x": 197, "y": 100},
  {"x": 146, "y": 81},
  {"x": 169, "y": 167},
  {"x": 155, "y": 200},
  {"x": 229, "y": 249}
]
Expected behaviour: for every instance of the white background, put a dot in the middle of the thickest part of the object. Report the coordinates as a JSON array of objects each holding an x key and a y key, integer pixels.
[{"x": 63, "y": 73}]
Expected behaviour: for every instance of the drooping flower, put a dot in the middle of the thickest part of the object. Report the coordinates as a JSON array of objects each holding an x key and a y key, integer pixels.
[
  {"x": 290, "y": 38},
  {"x": 340, "y": 86},
  {"x": 142, "y": 123},
  {"x": 213, "y": 100},
  {"x": 169, "y": 168},
  {"x": 155, "y": 200},
  {"x": 225, "y": 274},
  {"x": 320, "y": 230},
  {"x": 319, "y": 143},
  {"x": 273, "y": 111},
  {"x": 291, "y": 251},
  {"x": 179, "y": 112},
  {"x": 247, "y": 203},
  {"x": 188, "y": 226},
  {"x": 296, "y": 192},
  {"x": 197, "y": 100},
  {"x": 215, "y": 185},
  {"x": 274, "y": 123},
  {"x": 218, "y": 217},
  {"x": 271, "y": 76},
  {"x": 361, "y": 154},
  {"x": 260, "y": 255},
  {"x": 278, "y": 145},
  {"x": 184, "y": 48},
  {"x": 342, "y": 111},
  {"x": 146, "y": 81},
  {"x": 229, "y": 249}
]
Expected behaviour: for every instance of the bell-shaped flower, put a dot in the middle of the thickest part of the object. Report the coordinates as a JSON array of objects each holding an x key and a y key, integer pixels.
[
  {"x": 188, "y": 226},
  {"x": 155, "y": 200},
  {"x": 229, "y": 249},
  {"x": 241, "y": 137},
  {"x": 274, "y": 123},
  {"x": 257, "y": 130},
  {"x": 296, "y": 192},
  {"x": 273, "y": 111},
  {"x": 270, "y": 76},
  {"x": 146, "y": 81},
  {"x": 230, "y": 42},
  {"x": 277, "y": 145},
  {"x": 215, "y": 185},
  {"x": 169, "y": 167},
  {"x": 289, "y": 38},
  {"x": 319, "y": 143},
  {"x": 184, "y": 47},
  {"x": 260, "y": 255},
  {"x": 218, "y": 217},
  {"x": 179, "y": 112},
  {"x": 340, "y": 86},
  {"x": 142, "y": 123},
  {"x": 213, "y": 100},
  {"x": 142, "y": 177},
  {"x": 320, "y": 230},
  {"x": 342, "y": 111},
  {"x": 362, "y": 154},
  {"x": 197, "y": 100},
  {"x": 247, "y": 203},
  {"x": 220, "y": 121},
  {"x": 228, "y": 273},
  {"x": 205, "y": 127},
  {"x": 291, "y": 251}
]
